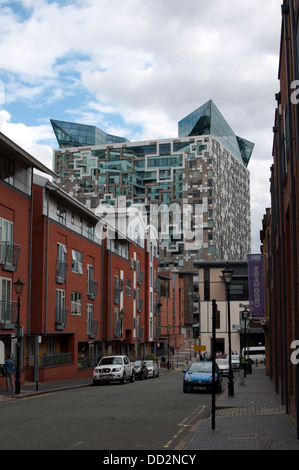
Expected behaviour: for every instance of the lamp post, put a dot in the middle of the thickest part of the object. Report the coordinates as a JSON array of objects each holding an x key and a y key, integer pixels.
[
  {"x": 121, "y": 316},
  {"x": 18, "y": 285},
  {"x": 245, "y": 315},
  {"x": 228, "y": 275}
]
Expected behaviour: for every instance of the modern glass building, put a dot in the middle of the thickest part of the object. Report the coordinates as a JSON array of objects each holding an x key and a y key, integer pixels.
[
  {"x": 71, "y": 134},
  {"x": 195, "y": 188}
]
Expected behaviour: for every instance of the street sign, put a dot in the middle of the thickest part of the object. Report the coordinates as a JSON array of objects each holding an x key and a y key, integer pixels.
[{"x": 199, "y": 348}]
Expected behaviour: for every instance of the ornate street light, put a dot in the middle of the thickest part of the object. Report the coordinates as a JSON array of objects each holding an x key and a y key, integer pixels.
[
  {"x": 19, "y": 286},
  {"x": 228, "y": 275}
]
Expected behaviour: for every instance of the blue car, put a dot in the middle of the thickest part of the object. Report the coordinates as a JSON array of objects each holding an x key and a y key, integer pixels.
[{"x": 199, "y": 377}]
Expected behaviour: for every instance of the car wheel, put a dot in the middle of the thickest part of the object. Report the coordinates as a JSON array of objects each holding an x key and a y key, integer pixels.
[
  {"x": 132, "y": 379},
  {"x": 124, "y": 379}
]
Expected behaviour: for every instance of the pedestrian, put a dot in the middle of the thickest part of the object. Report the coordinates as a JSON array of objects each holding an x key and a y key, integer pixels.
[{"x": 10, "y": 367}]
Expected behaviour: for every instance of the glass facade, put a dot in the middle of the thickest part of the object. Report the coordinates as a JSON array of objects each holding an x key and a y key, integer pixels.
[
  {"x": 207, "y": 120},
  {"x": 70, "y": 134}
]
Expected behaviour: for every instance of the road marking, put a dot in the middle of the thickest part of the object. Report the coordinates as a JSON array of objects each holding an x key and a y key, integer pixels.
[{"x": 187, "y": 422}]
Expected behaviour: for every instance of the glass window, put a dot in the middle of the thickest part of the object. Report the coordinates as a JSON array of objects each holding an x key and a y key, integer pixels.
[
  {"x": 77, "y": 266},
  {"x": 76, "y": 303}
]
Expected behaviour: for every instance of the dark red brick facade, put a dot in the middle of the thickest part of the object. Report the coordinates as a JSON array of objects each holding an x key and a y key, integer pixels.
[{"x": 280, "y": 241}]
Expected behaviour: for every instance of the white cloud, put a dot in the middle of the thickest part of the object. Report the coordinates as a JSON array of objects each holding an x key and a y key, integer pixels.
[{"x": 148, "y": 63}]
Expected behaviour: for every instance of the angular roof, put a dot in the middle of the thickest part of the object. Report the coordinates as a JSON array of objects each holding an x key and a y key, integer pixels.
[
  {"x": 207, "y": 120},
  {"x": 71, "y": 134}
]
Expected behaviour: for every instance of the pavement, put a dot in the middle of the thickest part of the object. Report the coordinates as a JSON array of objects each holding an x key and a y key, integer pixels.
[{"x": 253, "y": 419}]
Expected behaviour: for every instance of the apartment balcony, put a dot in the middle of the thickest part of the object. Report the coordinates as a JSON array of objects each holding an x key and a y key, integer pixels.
[
  {"x": 9, "y": 256},
  {"x": 117, "y": 329},
  {"x": 92, "y": 289},
  {"x": 8, "y": 314},
  {"x": 61, "y": 316},
  {"x": 92, "y": 328},
  {"x": 61, "y": 270}
]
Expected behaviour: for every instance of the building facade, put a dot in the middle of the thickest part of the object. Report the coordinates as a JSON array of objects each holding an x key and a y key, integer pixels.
[
  {"x": 194, "y": 188},
  {"x": 16, "y": 228},
  {"x": 279, "y": 236},
  {"x": 211, "y": 285}
]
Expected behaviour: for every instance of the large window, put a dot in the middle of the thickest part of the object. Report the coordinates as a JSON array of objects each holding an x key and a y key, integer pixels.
[
  {"x": 77, "y": 260},
  {"x": 76, "y": 303},
  {"x": 5, "y": 299}
]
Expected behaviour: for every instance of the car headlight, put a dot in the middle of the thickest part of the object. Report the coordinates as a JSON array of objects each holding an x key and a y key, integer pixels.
[
  {"x": 187, "y": 379},
  {"x": 116, "y": 369}
]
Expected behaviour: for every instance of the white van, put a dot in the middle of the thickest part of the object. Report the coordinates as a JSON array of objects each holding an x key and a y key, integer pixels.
[{"x": 255, "y": 353}]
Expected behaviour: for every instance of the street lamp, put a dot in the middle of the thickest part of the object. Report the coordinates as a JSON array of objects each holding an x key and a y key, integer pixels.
[
  {"x": 245, "y": 315},
  {"x": 228, "y": 275},
  {"x": 121, "y": 316},
  {"x": 18, "y": 285}
]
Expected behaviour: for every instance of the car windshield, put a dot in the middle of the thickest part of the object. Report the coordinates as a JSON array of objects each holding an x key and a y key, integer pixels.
[
  {"x": 110, "y": 360},
  {"x": 149, "y": 363},
  {"x": 200, "y": 367},
  {"x": 138, "y": 363}
]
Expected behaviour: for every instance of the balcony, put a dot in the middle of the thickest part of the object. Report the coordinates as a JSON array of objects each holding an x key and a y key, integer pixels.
[
  {"x": 9, "y": 256},
  {"x": 61, "y": 270},
  {"x": 92, "y": 289},
  {"x": 92, "y": 328},
  {"x": 61, "y": 316},
  {"x": 8, "y": 314}
]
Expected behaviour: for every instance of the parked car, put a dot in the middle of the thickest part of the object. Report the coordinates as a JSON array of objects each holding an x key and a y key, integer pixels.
[
  {"x": 235, "y": 361},
  {"x": 153, "y": 369},
  {"x": 199, "y": 377},
  {"x": 113, "y": 368},
  {"x": 140, "y": 370},
  {"x": 223, "y": 366}
]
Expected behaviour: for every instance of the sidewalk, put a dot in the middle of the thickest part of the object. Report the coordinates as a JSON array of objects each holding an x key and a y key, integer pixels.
[{"x": 253, "y": 419}]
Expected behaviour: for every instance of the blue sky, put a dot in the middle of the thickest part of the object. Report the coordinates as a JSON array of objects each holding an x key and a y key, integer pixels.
[{"x": 134, "y": 68}]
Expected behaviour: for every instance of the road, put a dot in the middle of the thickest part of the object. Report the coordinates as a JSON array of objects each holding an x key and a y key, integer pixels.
[{"x": 146, "y": 415}]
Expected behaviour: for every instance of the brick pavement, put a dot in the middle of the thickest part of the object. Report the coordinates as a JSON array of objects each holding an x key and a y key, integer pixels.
[{"x": 253, "y": 419}]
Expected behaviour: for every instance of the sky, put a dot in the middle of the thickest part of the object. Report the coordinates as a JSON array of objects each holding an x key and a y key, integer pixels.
[{"x": 134, "y": 68}]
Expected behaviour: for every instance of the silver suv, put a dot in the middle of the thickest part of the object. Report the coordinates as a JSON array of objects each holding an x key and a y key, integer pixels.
[{"x": 113, "y": 368}]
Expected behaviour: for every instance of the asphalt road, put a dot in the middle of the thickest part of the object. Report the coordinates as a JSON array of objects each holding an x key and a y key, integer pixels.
[{"x": 146, "y": 415}]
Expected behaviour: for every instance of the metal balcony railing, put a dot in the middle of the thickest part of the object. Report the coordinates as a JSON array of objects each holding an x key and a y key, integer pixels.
[
  {"x": 8, "y": 314},
  {"x": 92, "y": 328},
  {"x": 61, "y": 271},
  {"x": 9, "y": 255},
  {"x": 92, "y": 289},
  {"x": 61, "y": 316}
]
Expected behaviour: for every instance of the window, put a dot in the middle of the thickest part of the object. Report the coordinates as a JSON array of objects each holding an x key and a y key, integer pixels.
[
  {"x": 77, "y": 262},
  {"x": 5, "y": 299},
  {"x": 128, "y": 287},
  {"x": 116, "y": 289},
  {"x": 61, "y": 264},
  {"x": 76, "y": 303},
  {"x": 90, "y": 231},
  {"x": 89, "y": 318},
  {"x": 61, "y": 214},
  {"x": 9, "y": 251}
]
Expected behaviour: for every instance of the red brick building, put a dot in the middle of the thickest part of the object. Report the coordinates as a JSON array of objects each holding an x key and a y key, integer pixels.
[
  {"x": 91, "y": 281},
  {"x": 16, "y": 227},
  {"x": 280, "y": 241}
]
